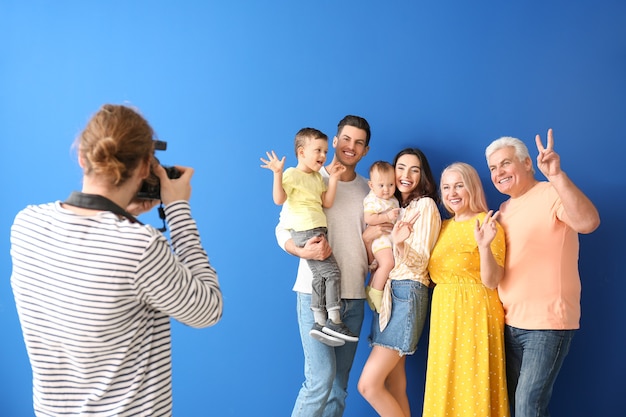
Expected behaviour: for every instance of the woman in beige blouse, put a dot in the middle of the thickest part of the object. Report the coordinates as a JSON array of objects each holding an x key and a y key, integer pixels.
[{"x": 398, "y": 327}]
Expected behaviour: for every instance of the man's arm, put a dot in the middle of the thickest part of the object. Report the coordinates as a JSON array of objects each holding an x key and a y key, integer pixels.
[
  {"x": 316, "y": 248},
  {"x": 582, "y": 215}
]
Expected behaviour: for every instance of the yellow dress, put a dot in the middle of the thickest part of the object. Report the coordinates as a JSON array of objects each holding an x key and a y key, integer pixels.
[{"x": 465, "y": 374}]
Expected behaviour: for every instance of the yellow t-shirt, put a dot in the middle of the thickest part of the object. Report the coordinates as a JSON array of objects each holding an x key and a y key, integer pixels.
[{"x": 303, "y": 208}]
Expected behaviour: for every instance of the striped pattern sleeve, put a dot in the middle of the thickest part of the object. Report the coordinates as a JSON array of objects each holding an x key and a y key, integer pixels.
[
  {"x": 184, "y": 286},
  {"x": 94, "y": 295}
]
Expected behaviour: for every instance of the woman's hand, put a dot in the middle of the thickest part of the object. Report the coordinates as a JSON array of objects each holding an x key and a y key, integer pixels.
[
  {"x": 174, "y": 189},
  {"x": 403, "y": 229},
  {"x": 139, "y": 206},
  {"x": 486, "y": 232}
]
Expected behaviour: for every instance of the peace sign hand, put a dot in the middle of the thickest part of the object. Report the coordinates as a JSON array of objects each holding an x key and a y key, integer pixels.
[
  {"x": 486, "y": 232},
  {"x": 403, "y": 229},
  {"x": 548, "y": 161}
]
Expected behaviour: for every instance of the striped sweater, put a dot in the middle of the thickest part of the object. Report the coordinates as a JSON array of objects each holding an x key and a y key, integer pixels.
[{"x": 94, "y": 295}]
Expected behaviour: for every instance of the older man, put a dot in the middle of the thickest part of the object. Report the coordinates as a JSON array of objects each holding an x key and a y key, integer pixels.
[{"x": 541, "y": 287}]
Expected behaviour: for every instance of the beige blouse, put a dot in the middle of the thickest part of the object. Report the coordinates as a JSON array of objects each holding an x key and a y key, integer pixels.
[{"x": 412, "y": 264}]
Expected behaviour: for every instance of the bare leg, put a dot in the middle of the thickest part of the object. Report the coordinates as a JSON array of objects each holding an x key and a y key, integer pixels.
[
  {"x": 396, "y": 384},
  {"x": 382, "y": 377}
]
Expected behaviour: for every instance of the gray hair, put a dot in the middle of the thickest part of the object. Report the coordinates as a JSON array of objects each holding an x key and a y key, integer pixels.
[{"x": 521, "y": 151}]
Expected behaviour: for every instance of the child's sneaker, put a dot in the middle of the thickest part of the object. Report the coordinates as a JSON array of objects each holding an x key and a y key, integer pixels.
[
  {"x": 339, "y": 330},
  {"x": 317, "y": 333}
]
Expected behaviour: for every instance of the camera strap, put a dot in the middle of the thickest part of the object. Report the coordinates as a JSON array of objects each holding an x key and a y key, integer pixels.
[{"x": 98, "y": 202}]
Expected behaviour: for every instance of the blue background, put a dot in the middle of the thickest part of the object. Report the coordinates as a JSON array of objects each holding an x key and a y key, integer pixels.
[{"x": 223, "y": 82}]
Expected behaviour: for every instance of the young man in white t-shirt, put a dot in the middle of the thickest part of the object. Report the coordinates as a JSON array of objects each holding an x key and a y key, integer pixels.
[{"x": 327, "y": 368}]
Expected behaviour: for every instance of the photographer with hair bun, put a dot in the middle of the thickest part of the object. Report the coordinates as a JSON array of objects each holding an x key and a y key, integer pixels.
[{"x": 95, "y": 288}]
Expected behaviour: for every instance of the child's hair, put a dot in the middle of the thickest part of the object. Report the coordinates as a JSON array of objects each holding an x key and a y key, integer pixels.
[
  {"x": 382, "y": 167},
  {"x": 306, "y": 134}
]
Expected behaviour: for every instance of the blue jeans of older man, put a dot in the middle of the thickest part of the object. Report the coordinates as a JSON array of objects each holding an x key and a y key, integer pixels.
[
  {"x": 533, "y": 361},
  {"x": 326, "y": 369}
]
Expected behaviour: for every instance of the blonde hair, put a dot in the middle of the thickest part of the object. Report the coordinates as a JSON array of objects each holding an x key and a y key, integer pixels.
[
  {"x": 114, "y": 142},
  {"x": 382, "y": 167},
  {"x": 305, "y": 135},
  {"x": 472, "y": 183}
]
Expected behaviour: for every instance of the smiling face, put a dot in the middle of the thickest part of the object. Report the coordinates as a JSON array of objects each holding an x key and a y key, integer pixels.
[
  {"x": 350, "y": 146},
  {"x": 509, "y": 175},
  {"x": 312, "y": 155},
  {"x": 455, "y": 195},
  {"x": 408, "y": 174}
]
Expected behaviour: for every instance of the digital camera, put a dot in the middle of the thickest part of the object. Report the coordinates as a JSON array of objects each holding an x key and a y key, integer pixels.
[{"x": 151, "y": 186}]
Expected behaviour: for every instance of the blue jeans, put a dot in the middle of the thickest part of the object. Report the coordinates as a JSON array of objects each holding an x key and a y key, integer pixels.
[
  {"x": 533, "y": 361},
  {"x": 408, "y": 314},
  {"x": 326, "y": 369}
]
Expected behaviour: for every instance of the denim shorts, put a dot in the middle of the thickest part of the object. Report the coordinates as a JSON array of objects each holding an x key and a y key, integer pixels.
[{"x": 408, "y": 314}]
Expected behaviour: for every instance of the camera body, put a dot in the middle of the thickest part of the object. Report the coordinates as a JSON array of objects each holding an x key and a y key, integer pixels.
[{"x": 151, "y": 186}]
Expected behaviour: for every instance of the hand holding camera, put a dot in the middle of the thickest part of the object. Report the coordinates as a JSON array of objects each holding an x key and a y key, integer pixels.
[
  {"x": 151, "y": 187},
  {"x": 141, "y": 205},
  {"x": 164, "y": 184},
  {"x": 177, "y": 188},
  {"x": 163, "y": 187}
]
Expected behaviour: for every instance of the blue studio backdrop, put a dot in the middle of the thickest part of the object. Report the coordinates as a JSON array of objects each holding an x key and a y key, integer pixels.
[{"x": 223, "y": 82}]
